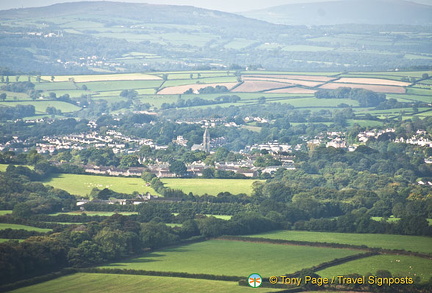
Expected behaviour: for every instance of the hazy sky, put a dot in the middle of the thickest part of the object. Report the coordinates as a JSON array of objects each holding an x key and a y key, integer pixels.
[{"x": 223, "y": 5}]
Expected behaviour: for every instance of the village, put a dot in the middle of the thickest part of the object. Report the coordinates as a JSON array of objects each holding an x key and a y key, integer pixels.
[{"x": 283, "y": 154}]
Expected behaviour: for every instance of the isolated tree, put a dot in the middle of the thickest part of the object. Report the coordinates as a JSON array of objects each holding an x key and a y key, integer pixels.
[
  {"x": 208, "y": 173},
  {"x": 3, "y": 96},
  {"x": 51, "y": 110},
  {"x": 178, "y": 167},
  {"x": 52, "y": 78}
]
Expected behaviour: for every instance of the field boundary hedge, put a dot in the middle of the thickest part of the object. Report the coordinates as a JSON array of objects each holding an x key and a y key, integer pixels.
[
  {"x": 161, "y": 274},
  {"x": 327, "y": 245},
  {"x": 36, "y": 280}
]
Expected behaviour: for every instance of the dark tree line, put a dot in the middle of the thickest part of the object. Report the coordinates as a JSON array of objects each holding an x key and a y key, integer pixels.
[{"x": 366, "y": 98}]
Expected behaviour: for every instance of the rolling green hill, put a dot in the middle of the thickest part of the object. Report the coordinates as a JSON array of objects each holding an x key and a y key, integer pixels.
[
  {"x": 107, "y": 37},
  {"x": 348, "y": 11}
]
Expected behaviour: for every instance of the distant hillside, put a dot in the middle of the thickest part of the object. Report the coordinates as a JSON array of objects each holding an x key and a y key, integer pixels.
[
  {"x": 134, "y": 13},
  {"x": 347, "y": 12},
  {"x": 87, "y": 37}
]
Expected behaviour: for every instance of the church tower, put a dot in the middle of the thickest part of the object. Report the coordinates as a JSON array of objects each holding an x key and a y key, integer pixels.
[{"x": 206, "y": 141}]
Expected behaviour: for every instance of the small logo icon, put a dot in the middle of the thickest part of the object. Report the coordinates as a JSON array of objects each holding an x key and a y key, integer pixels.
[{"x": 254, "y": 280}]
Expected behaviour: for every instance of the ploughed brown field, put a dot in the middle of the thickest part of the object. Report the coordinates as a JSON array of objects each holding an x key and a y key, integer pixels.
[{"x": 372, "y": 87}]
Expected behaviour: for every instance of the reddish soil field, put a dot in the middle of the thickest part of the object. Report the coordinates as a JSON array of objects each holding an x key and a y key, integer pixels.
[
  {"x": 296, "y": 77},
  {"x": 292, "y": 90},
  {"x": 285, "y": 80},
  {"x": 375, "y": 88},
  {"x": 258, "y": 86},
  {"x": 373, "y": 81}
]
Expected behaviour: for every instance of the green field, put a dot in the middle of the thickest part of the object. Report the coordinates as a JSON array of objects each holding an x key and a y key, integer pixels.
[
  {"x": 92, "y": 213},
  {"x": 393, "y": 219},
  {"x": 121, "y": 84},
  {"x": 40, "y": 106},
  {"x": 83, "y": 184},
  {"x": 3, "y": 167},
  {"x": 113, "y": 283},
  {"x": 200, "y": 186},
  {"x": 5, "y": 212},
  {"x": 386, "y": 241},
  {"x": 233, "y": 258},
  {"x": 6, "y": 240},
  {"x": 398, "y": 265},
  {"x": 24, "y": 227}
]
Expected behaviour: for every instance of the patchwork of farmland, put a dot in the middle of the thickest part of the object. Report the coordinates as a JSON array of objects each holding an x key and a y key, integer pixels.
[
  {"x": 386, "y": 241},
  {"x": 398, "y": 265},
  {"x": 238, "y": 259},
  {"x": 165, "y": 87},
  {"x": 233, "y": 258}
]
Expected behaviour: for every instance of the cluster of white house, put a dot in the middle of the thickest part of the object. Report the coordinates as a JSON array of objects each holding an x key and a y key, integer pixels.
[
  {"x": 113, "y": 139},
  {"x": 195, "y": 169}
]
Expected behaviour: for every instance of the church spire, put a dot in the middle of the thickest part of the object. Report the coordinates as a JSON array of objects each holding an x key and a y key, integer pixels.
[{"x": 206, "y": 141}]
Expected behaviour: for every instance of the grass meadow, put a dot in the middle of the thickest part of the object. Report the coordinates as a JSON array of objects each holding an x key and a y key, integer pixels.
[
  {"x": 386, "y": 241},
  {"x": 200, "y": 186},
  {"x": 103, "y": 77},
  {"x": 24, "y": 227},
  {"x": 3, "y": 167},
  {"x": 233, "y": 258},
  {"x": 398, "y": 265},
  {"x": 83, "y": 184},
  {"x": 2, "y": 240},
  {"x": 114, "y": 283},
  {"x": 40, "y": 106},
  {"x": 95, "y": 213}
]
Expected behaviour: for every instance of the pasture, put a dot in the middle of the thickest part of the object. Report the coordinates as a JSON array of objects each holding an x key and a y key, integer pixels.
[
  {"x": 386, "y": 241},
  {"x": 5, "y": 212},
  {"x": 103, "y": 77},
  {"x": 3, "y": 167},
  {"x": 24, "y": 227},
  {"x": 2, "y": 240},
  {"x": 398, "y": 265},
  {"x": 233, "y": 258},
  {"x": 94, "y": 213},
  {"x": 82, "y": 185},
  {"x": 200, "y": 186},
  {"x": 113, "y": 283},
  {"x": 41, "y": 106}
]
